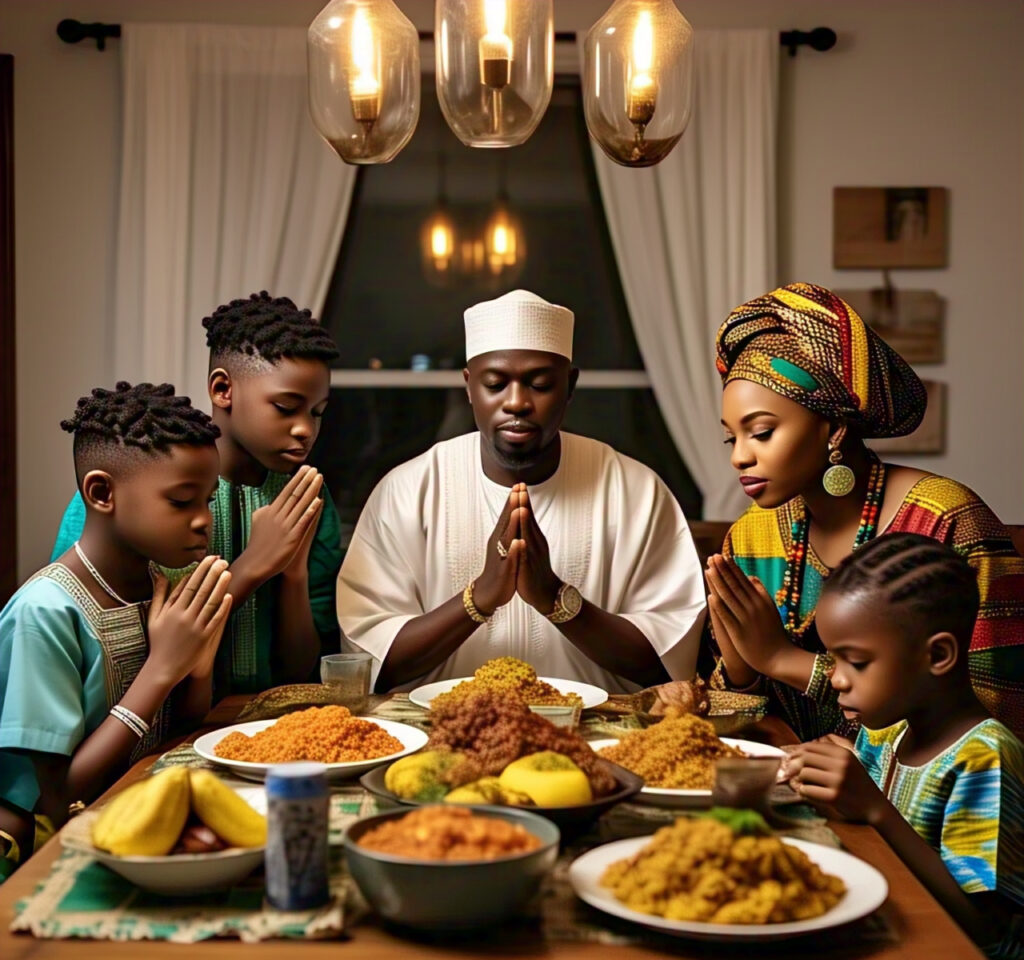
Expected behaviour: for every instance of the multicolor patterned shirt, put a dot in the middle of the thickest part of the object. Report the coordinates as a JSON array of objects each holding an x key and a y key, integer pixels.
[
  {"x": 967, "y": 803},
  {"x": 936, "y": 507}
]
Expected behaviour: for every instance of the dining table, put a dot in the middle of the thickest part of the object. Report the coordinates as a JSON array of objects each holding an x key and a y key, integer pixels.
[{"x": 910, "y": 925}]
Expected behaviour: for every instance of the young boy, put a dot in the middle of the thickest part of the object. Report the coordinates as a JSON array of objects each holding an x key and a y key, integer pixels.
[
  {"x": 940, "y": 779},
  {"x": 273, "y": 519},
  {"x": 82, "y": 689}
]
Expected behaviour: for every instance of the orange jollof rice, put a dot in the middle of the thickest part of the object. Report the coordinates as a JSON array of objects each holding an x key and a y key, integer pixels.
[{"x": 322, "y": 734}]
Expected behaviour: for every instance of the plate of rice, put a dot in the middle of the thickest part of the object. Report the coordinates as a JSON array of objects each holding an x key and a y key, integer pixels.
[
  {"x": 676, "y": 759},
  {"x": 515, "y": 678},
  {"x": 348, "y": 746},
  {"x": 779, "y": 888}
]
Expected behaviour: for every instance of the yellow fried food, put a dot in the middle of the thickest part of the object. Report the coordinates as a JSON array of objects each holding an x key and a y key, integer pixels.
[
  {"x": 549, "y": 779},
  {"x": 146, "y": 819},
  {"x": 700, "y": 870},
  {"x": 677, "y": 753},
  {"x": 225, "y": 812}
]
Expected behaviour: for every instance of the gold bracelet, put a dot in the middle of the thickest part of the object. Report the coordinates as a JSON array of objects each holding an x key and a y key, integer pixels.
[
  {"x": 821, "y": 676},
  {"x": 467, "y": 602}
]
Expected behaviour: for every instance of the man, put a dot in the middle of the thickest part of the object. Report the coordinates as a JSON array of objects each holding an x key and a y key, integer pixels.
[{"x": 520, "y": 540}]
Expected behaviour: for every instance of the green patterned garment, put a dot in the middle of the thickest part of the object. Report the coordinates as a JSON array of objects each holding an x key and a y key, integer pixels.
[{"x": 244, "y": 662}]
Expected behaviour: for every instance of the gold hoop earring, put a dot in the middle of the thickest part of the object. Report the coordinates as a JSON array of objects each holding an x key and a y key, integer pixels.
[{"x": 839, "y": 479}]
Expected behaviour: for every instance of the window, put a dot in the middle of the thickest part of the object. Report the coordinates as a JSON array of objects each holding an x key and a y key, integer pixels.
[{"x": 397, "y": 318}]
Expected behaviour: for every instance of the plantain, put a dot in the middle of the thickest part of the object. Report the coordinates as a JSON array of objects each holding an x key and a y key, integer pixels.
[
  {"x": 146, "y": 819},
  {"x": 225, "y": 812}
]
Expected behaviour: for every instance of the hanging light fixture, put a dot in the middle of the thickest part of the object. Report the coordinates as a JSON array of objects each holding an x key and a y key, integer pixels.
[
  {"x": 495, "y": 68},
  {"x": 437, "y": 237},
  {"x": 638, "y": 80},
  {"x": 364, "y": 78},
  {"x": 503, "y": 235}
]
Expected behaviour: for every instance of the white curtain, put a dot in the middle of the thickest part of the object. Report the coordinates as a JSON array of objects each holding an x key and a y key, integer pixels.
[
  {"x": 226, "y": 189},
  {"x": 695, "y": 236}
]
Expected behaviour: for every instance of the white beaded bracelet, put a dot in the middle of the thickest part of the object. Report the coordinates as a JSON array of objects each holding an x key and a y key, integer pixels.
[{"x": 130, "y": 719}]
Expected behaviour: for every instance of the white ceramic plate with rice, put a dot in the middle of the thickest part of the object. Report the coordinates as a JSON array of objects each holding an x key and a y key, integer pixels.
[
  {"x": 668, "y": 797},
  {"x": 866, "y": 891},
  {"x": 411, "y": 739},
  {"x": 590, "y": 695}
]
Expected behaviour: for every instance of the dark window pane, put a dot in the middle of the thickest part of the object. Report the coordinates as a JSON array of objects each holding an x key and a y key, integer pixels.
[{"x": 382, "y": 305}]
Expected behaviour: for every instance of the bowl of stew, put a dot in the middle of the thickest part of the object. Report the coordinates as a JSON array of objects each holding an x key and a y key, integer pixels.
[{"x": 450, "y": 867}]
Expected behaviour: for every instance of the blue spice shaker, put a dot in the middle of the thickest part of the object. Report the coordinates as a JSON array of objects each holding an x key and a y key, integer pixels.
[{"x": 298, "y": 801}]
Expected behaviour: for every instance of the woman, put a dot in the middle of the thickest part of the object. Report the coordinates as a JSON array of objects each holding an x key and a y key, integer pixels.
[{"x": 805, "y": 383}]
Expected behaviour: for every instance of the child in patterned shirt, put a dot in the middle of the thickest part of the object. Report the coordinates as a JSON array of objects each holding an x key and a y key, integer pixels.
[{"x": 940, "y": 779}]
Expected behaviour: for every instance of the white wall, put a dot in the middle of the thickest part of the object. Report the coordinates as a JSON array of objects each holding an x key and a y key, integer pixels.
[{"x": 916, "y": 93}]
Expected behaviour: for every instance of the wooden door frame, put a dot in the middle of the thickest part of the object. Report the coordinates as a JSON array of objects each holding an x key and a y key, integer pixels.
[{"x": 8, "y": 395}]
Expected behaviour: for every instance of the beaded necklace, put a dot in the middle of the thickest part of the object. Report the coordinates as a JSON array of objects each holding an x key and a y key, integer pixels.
[{"x": 787, "y": 597}]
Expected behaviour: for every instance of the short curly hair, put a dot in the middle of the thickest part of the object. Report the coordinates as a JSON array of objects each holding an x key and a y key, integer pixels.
[
  {"x": 142, "y": 419},
  {"x": 268, "y": 329}
]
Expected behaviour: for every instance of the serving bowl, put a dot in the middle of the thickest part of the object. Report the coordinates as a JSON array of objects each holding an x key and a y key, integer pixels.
[
  {"x": 450, "y": 894},
  {"x": 175, "y": 875},
  {"x": 570, "y": 820}
]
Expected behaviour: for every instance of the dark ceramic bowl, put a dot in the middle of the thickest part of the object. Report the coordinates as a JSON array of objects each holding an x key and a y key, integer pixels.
[
  {"x": 450, "y": 894},
  {"x": 570, "y": 820}
]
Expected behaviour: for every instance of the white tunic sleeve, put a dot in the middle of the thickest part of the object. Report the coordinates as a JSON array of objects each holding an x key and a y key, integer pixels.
[{"x": 381, "y": 583}]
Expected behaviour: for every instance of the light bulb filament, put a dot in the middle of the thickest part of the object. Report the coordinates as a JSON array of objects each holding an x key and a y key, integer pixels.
[
  {"x": 364, "y": 87},
  {"x": 495, "y": 46},
  {"x": 643, "y": 88}
]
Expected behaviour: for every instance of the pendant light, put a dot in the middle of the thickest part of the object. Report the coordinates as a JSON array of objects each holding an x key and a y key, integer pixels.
[
  {"x": 364, "y": 78},
  {"x": 437, "y": 237},
  {"x": 638, "y": 80},
  {"x": 503, "y": 235},
  {"x": 495, "y": 68}
]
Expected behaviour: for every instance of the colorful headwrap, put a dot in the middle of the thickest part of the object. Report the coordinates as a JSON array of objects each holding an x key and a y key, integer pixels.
[{"x": 809, "y": 345}]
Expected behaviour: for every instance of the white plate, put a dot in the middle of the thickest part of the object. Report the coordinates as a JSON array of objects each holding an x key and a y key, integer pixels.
[
  {"x": 866, "y": 890},
  {"x": 592, "y": 696},
  {"x": 411, "y": 738},
  {"x": 183, "y": 874},
  {"x": 668, "y": 797}
]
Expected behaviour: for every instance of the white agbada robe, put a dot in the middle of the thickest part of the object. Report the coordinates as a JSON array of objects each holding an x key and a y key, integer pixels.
[{"x": 613, "y": 528}]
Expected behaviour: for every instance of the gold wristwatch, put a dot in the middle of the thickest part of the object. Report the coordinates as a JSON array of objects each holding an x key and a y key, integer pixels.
[{"x": 568, "y": 603}]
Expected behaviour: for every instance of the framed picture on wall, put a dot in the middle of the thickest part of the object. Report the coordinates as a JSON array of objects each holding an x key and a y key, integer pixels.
[
  {"x": 930, "y": 437},
  {"x": 912, "y": 322},
  {"x": 889, "y": 227}
]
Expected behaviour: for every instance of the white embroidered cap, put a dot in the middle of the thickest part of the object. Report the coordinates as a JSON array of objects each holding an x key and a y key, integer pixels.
[{"x": 520, "y": 320}]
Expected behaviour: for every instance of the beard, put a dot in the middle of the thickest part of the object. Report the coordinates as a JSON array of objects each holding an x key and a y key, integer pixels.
[{"x": 516, "y": 457}]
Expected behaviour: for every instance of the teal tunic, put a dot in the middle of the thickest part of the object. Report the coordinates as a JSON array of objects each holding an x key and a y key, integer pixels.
[
  {"x": 64, "y": 662},
  {"x": 244, "y": 660}
]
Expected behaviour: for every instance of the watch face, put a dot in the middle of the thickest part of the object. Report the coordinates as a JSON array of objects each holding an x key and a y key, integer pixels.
[{"x": 571, "y": 599}]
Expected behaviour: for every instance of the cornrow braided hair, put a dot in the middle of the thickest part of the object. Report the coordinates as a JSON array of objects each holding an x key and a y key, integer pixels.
[
  {"x": 267, "y": 328},
  {"x": 925, "y": 579},
  {"x": 143, "y": 416}
]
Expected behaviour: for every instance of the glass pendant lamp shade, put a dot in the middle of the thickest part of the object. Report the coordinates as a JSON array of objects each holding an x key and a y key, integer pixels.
[
  {"x": 638, "y": 80},
  {"x": 363, "y": 61},
  {"x": 495, "y": 68}
]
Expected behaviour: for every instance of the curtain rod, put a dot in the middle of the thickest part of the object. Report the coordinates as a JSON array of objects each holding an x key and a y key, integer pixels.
[{"x": 74, "y": 31}]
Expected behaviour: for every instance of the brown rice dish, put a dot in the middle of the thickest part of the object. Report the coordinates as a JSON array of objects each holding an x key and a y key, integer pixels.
[
  {"x": 322, "y": 734},
  {"x": 449, "y": 833},
  {"x": 678, "y": 753},
  {"x": 699, "y": 869}
]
